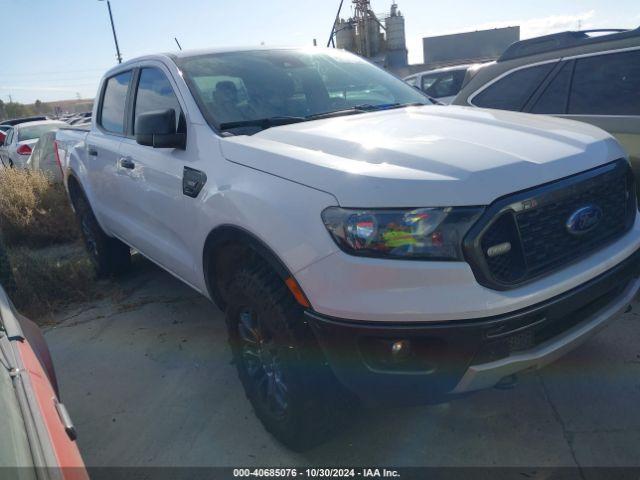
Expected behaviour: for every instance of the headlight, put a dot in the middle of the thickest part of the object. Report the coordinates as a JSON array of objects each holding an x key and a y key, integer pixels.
[{"x": 422, "y": 233}]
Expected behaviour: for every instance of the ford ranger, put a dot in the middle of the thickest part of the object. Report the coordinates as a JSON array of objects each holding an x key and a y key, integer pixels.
[{"x": 363, "y": 242}]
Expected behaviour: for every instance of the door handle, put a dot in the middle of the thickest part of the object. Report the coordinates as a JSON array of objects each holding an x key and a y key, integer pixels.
[
  {"x": 127, "y": 163},
  {"x": 91, "y": 150}
]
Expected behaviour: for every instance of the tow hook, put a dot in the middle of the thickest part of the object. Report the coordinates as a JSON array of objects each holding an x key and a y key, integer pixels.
[
  {"x": 628, "y": 309},
  {"x": 507, "y": 383}
]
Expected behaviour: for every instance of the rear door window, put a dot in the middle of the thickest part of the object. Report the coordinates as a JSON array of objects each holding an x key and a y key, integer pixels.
[
  {"x": 513, "y": 91},
  {"x": 114, "y": 103},
  {"x": 606, "y": 85},
  {"x": 554, "y": 98},
  {"x": 155, "y": 93}
]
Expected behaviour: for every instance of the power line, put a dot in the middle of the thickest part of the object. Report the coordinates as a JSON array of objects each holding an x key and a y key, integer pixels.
[
  {"x": 34, "y": 80},
  {"x": 55, "y": 72}
]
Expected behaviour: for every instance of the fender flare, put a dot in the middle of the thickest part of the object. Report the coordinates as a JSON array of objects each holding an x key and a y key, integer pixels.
[
  {"x": 232, "y": 233},
  {"x": 73, "y": 177}
]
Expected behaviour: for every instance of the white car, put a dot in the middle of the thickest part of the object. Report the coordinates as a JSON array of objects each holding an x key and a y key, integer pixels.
[
  {"x": 443, "y": 84},
  {"x": 360, "y": 240},
  {"x": 20, "y": 139}
]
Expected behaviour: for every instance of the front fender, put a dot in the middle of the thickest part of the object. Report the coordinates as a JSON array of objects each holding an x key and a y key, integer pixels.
[{"x": 283, "y": 215}]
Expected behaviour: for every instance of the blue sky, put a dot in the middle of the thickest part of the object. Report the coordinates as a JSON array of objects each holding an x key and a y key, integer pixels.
[{"x": 62, "y": 47}]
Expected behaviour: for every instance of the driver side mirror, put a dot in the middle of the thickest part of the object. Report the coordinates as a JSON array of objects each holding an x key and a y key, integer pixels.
[{"x": 158, "y": 130}]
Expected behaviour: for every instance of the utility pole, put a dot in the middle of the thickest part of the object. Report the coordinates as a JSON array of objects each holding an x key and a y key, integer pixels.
[
  {"x": 333, "y": 27},
  {"x": 113, "y": 29}
]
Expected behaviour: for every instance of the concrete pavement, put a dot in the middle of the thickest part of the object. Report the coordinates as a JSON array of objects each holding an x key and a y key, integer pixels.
[{"x": 148, "y": 382}]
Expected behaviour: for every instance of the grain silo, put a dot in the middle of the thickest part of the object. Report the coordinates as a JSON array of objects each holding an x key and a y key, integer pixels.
[
  {"x": 366, "y": 34},
  {"x": 397, "y": 54}
]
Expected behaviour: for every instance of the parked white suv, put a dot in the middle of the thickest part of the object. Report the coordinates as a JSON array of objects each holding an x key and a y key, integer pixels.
[{"x": 361, "y": 241}]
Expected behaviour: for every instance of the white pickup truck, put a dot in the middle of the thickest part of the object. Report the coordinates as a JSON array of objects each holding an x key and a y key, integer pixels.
[{"x": 362, "y": 241}]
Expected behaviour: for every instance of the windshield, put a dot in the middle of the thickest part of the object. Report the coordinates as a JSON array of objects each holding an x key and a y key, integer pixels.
[
  {"x": 249, "y": 86},
  {"x": 30, "y": 133}
]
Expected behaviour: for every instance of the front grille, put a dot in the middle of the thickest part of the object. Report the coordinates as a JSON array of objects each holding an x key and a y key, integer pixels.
[{"x": 534, "y": 225}]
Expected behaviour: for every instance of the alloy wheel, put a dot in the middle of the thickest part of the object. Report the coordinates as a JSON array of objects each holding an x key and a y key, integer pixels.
[{"x": 262, "y": 360}]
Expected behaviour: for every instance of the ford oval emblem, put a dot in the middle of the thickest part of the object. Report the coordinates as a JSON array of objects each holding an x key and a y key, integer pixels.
[{"x": 584, "y": 220}]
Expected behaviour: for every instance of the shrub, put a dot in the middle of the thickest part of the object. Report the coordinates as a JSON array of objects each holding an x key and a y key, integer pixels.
[
  {"x": 34, "y": 211},
  {"x": 43, "y": 265}
]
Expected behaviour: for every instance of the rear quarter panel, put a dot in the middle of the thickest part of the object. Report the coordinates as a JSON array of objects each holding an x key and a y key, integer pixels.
[{"x": 71, "y": 150}]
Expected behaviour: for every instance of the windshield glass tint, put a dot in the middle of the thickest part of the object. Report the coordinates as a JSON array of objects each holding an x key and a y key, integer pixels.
[
  {"x": 244, "y": 86},
  {"x": 31, "y": 133}
]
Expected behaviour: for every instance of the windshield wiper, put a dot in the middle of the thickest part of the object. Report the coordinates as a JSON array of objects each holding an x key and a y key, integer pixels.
[
  {"x": 367, "y": 107},
  {"x": 363, "y": 108},
  {"x": 387, "y": 106},
  {"x": 262, "y": 122},
  {"x": 265, "y": 123}
]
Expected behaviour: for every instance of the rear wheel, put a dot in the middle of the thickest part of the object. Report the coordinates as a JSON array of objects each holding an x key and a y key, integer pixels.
[
  {"x": 109, "y": 255},
  {"x": 280, "y": 365}
]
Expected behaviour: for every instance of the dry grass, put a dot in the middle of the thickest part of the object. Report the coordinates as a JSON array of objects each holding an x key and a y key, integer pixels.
[
  {"x": 46, "y": 279},
  {"x": 34, "y": 211},
  {"x": 48, "y": 264}
]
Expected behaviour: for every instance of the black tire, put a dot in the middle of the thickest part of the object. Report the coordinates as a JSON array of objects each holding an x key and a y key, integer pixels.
[
  {"x": 281, "y": 367},
  {"x": 109, "y": 255}
]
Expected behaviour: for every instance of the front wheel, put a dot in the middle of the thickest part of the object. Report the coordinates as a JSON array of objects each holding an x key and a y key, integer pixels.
[
  {"x": 109, "y": 255},
  {"x": 279, "y": 363}
]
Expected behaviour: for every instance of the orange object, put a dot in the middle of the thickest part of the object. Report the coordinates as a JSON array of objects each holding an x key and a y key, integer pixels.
[
  {"x": 70, "y": 463},
  {"x": 297, "y": 292}
]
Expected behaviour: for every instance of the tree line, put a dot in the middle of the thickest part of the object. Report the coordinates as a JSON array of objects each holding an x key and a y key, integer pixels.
[{"x": 18, "y": 110}]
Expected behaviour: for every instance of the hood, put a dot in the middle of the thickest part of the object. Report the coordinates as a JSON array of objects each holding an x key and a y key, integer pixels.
[{"x": 425, "y": 156}]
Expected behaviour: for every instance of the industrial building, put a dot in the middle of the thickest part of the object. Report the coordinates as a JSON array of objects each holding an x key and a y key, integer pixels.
[
  {"x": 464, "y": 48},
  {"x": 380, "y": 38},
  {"x": 469, "y": 47}
]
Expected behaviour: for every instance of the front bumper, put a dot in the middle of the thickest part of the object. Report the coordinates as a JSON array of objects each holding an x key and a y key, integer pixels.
[{"x": 437, "y": 360}]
